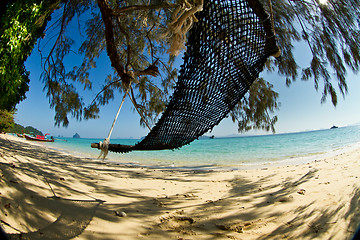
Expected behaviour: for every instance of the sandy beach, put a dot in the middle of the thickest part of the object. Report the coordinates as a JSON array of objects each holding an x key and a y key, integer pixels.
[{"x": 46, "y": 194}]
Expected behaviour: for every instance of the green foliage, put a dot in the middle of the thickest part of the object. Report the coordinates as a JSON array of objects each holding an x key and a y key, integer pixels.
[
  {"x": 131, "y": 40},
  {"x": 129, "y": 33},
  {"x": 6, "y": 120},
  {"x": 32, "y": 130},
  {"x": 17, "y": 128},
  {"x": 331, "y": 32},
  {"x": 22, "y": 23},
  {"x": 254, "y": 109}
]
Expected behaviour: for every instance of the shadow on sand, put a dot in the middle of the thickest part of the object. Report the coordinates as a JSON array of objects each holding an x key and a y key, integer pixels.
[{"x": 51, "y": 209}]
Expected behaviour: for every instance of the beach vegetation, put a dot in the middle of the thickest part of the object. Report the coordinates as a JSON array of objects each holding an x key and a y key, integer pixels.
[
  {"x": 6, "y": 120},
  {"x": 139, "y": 40},
  {"x": 256, "y": 109},
  {"x": 17, "y": 128},
  {"x": 21, "y": 24}
]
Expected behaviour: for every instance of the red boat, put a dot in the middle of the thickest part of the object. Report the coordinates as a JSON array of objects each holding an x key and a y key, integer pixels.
[{"x": 39, "y": 138}]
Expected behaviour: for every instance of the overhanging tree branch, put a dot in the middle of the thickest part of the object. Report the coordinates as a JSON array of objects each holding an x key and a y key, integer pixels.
[
  {"x": 125, "y": 74},
  {"x": 110, "y": 42},
  {"x": 142, "y": 7},
  {"x": 61, "y": 32}
]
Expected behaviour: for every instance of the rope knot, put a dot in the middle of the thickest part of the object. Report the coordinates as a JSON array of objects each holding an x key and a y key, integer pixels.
[
  {"x": 183, "y": 18},
  {"x": 104, "y": 147}
]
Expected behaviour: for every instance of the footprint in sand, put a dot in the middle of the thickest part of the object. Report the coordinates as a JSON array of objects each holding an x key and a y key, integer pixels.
[{"x": 181, "y": 224}]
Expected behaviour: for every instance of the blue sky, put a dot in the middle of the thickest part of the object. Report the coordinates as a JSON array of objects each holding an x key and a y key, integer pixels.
[{"x": 300, "y": 109}]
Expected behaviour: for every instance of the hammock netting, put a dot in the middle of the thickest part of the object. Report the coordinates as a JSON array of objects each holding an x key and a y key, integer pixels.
[{"x": 225, "y": 52}]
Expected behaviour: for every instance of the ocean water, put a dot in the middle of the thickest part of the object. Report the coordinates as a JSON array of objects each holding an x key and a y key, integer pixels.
[{"x": 228, "y": 153}]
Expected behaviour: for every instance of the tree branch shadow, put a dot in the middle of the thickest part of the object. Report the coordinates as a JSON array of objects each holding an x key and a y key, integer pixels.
[
  {"x": 74, "y": 217},
  {"x": 54, "y": 209},
  {"x": 43, "y": 210}
]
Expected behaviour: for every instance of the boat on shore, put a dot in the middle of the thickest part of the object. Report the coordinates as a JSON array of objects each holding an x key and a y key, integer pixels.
[
  {"x": 20, "y": 135},
  {"x": 39, "y": 139}
]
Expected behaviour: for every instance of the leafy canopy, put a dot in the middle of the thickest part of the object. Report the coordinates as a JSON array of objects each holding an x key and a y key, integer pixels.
[
  {"x": 132, "y": 34},
  {"x": 6, "y": 120},
  {"x": 17, "y": 128},
  {"x": 331, "y": 31},
  {"x": 21, "y": 24}
]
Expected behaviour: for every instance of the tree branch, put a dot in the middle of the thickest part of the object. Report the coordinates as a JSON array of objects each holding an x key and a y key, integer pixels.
[
  {"x": 57, "y": 40},
  {"x": 151, "y": 70},
  {"x": 104, "y": 88},
  {"x": 132, "y": 98},
  {"x": 106, "y": 13},
  {"x": 142, "y": 7},
  {"x": 151, "y": 46}
]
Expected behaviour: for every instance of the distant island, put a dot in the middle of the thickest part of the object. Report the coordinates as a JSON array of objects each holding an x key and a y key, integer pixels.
[
  {"x": 333, "y": 127},
  {"x": 76, "y": 135},
  {"x": 29, "y": 130}
]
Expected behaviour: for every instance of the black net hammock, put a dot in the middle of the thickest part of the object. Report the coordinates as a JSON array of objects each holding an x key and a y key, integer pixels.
[{"x": 226, "y": 50}]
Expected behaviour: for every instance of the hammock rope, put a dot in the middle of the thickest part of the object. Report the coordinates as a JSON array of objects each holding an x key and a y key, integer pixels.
[
  {"x": 104, "y": 146},
  {"x": 278, "y": 53},
  {"x": 226, "y": 50},
  {"x": 182, "y": 20}
]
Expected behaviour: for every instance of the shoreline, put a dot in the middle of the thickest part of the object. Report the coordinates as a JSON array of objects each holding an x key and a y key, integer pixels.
[
  {"x": 304, "y": 159},
  {"x": 45, "y": 193},
  {"x": 155, "y": 161}
]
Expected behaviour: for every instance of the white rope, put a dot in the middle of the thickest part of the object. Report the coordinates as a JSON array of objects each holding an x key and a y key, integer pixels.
[{"x": 104, "y": 146}]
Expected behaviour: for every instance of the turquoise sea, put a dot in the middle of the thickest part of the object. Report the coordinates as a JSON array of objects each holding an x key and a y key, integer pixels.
[{"x": 228, "y": 153}]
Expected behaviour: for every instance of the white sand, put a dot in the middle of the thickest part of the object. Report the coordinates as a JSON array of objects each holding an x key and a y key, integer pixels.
[{"x": 45, "y": 194}]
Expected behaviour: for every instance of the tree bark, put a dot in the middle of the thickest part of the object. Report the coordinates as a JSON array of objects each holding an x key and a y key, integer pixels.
[{"x": 106, "y": 13}]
